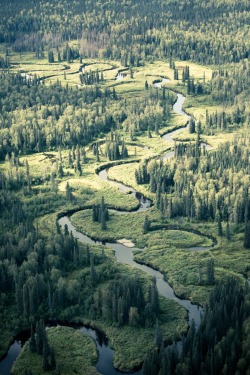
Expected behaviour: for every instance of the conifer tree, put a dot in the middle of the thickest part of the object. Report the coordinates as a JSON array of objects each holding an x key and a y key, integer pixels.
[
  {"x": 200, "y": 275},
  {"x": 158, "y": 334},
  {"x": 52, "y": 359},
  {"x": 32, "y": 341},
  {"x": 228, "y": 231},
  {"x": 246, "y": 242},
  {"x": 68, "y": 192},
  {"x": 45, "y": 362},
  {"x": 39, "y": 337},
  {"x": 219, "y": 225},
  {"x": 92, "y": 270},
  {"x": 210, "y": 272},
  {"x": 103, "y": 221},
  {"x": 146, "y": 225}
]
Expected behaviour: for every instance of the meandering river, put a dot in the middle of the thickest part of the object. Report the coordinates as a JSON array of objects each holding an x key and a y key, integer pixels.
[{"x": 123, "y": 255}]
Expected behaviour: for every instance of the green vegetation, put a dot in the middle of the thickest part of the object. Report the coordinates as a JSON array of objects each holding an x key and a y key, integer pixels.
[
  {"x": 213, "y": 341},
  {"x": 131, "y": 343},
  {"x": 74, "y": 353},
  {"x": 81, "y": 91}
]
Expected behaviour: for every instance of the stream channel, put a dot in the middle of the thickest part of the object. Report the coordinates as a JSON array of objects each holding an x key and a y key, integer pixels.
[{"x": 123, "y": 255}]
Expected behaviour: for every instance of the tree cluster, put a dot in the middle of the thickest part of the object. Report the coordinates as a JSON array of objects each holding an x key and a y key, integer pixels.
[
  {"x": 218, "y": 346},
  {"x": 202, "y": 185},
  {"x": 209, "y": 33},
  {"x": 115, "y": 148},
  {"x": 100, "y": 214},
  {"x": 38, "y": 343},
  {"x": 123, "y": 302}
]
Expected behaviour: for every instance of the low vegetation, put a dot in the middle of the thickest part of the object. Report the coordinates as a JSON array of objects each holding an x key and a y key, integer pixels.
[{"x": 73, "y": 353}]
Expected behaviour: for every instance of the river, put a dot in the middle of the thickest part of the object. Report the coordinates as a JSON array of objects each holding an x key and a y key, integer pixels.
[{"x": 123, "y": 255}]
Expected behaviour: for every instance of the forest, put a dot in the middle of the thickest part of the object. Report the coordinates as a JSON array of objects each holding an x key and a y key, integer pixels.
[{"x": 124, "y": 187}]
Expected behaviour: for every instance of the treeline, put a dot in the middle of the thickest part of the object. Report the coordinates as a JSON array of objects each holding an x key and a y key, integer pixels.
[
  {"x": 219, "y": 346},
  {"x": 202, "y": 185},
  {"x": 210, "y": 33}
]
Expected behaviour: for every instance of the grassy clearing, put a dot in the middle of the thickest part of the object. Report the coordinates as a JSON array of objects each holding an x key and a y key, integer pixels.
[
  {"x": 130, "y": 226},
  {"x": 180, "y": 266},
  {"x": 68, "y": 73},
  {"x": 166, "y": 239},
  {"x": 132, "y": 343},
  {"x": 119, "y": 226},
  {"x": 198, "y": 105},
  {"x": 197, "y": 71},
  {"x": 75, "y": 354}
]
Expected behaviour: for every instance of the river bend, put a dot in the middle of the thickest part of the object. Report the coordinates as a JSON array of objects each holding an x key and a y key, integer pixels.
[{"x": 123, "y": 255}]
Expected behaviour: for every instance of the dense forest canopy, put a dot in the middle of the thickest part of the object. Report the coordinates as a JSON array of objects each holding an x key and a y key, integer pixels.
[{"x": 211, "y": 32}]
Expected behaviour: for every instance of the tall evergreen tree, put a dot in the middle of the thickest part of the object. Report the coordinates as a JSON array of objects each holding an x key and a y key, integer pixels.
[
  {"x": 210, "y": 272},
  {"x": 146, "y": 225},
  {"x": 32, "y": 341},
  {"x": 246, "y": 242}
]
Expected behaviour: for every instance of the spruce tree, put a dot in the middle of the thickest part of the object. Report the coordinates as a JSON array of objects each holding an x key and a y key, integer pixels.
[
  {"x": 191, "y": 126},
  {"x": 52, "y": 359},
  {"x": 146, "y": 225},
  {"x": 103, "y": 221},
  {"x": 68, "y": 192},
  {"x": 45, "y": 362},
  {"x": 246, "y": 242},
  {"x": 210, "y": 272},
  {"x": 32, "y": 341},
  {"x": 149, "y": 132},
  {"x": 219, "y": 225},
  {"x": 93, "y": 274},
  {"x": 228, "y": 231},
  {"x": 158, "y": 334},
  {"x": 200, "y": 280},
  {"x": 39, "y": 337}
]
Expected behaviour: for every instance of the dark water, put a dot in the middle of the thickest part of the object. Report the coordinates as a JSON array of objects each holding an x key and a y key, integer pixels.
[
  {"x": 7, "y": 362},
  {"x": 104, "y": 364},
  {"x": 106, "y": 354},
  {"x": 13, "y": 352}
]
